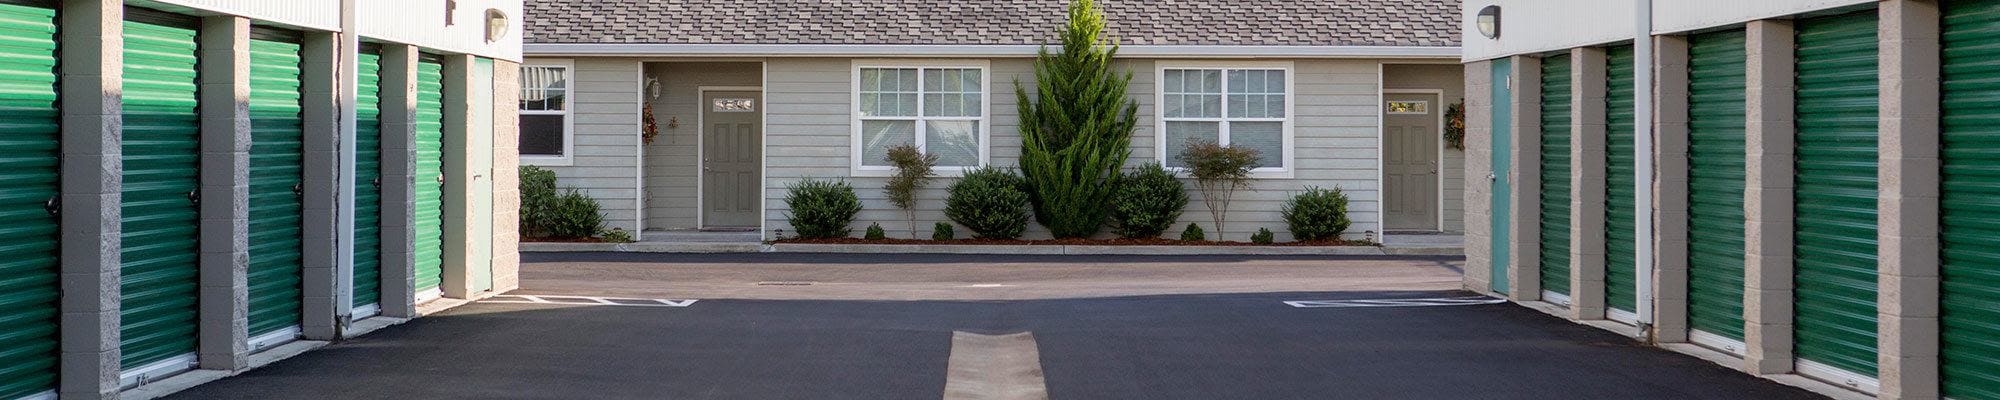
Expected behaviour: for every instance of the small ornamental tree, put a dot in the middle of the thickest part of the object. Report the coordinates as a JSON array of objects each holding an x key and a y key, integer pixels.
[
  {"x": 914, "y": 170},
  {"x": 1218, "y": 172},
  {"x": 1076, "y": 126}
]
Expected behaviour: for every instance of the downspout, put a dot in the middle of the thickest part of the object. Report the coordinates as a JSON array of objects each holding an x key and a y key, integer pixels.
[
  {"x": 348, "y": 72},
  {"x": 1642, "y": 149}
]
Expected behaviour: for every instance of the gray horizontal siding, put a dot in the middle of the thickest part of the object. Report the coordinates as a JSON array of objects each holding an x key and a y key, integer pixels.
[{"x": 605, "y": 131}]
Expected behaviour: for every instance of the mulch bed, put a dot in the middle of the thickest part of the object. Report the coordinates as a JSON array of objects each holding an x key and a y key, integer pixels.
[{"x": 1071, "y": 242}]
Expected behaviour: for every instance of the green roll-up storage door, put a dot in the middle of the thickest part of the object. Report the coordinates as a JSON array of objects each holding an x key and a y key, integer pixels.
[
  {"x": 276, "y": 208},
  {"x": 161, "y": 148},
  {"x": 1835, "y": 260},
  {"x": 1621, "y": 277},
  {"x": 1970, "y": 294},
  {"x": 368, "y": 181},
  {"x": 429, "y": 175},
  {"x": 1716, "y": 120},
  {"x": 29, "y": 268},
  {"x": 1555, "y": 174}
]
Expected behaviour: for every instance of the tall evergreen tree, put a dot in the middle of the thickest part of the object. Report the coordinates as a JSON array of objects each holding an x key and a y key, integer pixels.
[{"x": 1076, "y": 128}]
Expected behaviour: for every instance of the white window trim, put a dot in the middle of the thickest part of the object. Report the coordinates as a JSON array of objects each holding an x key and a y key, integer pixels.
[
  {"x": 985, "y": 119},
  {"x": 568, "y": 158},
  {"x": 1291, "y": 103}
]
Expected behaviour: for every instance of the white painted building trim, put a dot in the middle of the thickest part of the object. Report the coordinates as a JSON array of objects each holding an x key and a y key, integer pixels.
[
  {"x": 1837, "y": 377},
  {"x": 568, "y": 157},
  {"x": 1556, "y": 298},
  {"x": 269, "y": 340},
  {"x": 1287, "y": 123},
  {"x": 1717, "y": 342},
  {"x": 857, "y": 168},
  {"x": 1621, "y": 316},
  {"x": 862, "y": 50},
  {"x": 144, "y": 374},
  {"x": 427, "y": 295},
  {"x": 701, "y": 146},
  {"x": 639, "y": 193},
  {"x": 366, "y": 310},
  {"x": 763, "y": 154},
  {"x": 1382, "y": 140}
]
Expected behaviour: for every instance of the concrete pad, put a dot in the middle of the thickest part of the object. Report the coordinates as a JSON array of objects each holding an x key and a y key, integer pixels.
[{"x": 994, "y": 367}]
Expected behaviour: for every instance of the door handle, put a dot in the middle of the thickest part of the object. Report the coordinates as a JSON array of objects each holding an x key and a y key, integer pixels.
[
  {"x": 299, "y": 189},
  {"x": 53, "y": 206},
  {"x": 1492, "y": 178}
]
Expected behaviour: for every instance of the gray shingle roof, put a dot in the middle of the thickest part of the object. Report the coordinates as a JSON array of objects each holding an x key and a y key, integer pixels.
[{"x": 992, "y": 22}]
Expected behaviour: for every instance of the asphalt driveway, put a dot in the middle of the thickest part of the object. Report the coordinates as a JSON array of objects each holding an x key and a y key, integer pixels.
[{"x": 860, "y": 327}]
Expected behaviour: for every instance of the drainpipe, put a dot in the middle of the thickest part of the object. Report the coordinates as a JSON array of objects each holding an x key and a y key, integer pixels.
[
  {"x": 1642, "y": 149},
  {"x": 347, "y": 71}
]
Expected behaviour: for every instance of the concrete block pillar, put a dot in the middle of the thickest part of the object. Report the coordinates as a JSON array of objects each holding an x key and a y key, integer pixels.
[
  {"x": 1908, "y": 205},
  {"x": 1767, "y": 204},
  {"x": 1524, "y": 270},
  {"x": 506, "y": 176},
  {"x": 460, "y": 176},
  {"x": 1478, "y": 189},
  {"x": 399, "y": 109},
  {"x": 93, "y": 72},
  {"x": 225, "y": 191},
  {"x": 1588, "y": 127},
  {"x": 321, "y": 114},
  {"x": 1670, "y": 189}
]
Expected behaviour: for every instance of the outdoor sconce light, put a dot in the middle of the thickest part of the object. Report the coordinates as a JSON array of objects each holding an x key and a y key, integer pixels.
[
  {"x": 496, "y": 25},
  {"x": 1489, "y": 22}
]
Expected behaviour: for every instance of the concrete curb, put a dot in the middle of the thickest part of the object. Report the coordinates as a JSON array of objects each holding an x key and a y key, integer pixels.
[{"x": 696, "y": 247}]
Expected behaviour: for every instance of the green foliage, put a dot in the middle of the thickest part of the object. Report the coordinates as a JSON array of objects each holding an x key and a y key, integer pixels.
[
  {"x": 1263, "y": 236},
  {"x": 616, "y": 235},
  {"x": 1147, "y": 202},
  {"x": 821, "y": 209},
  {"x": 1454, "y": 125},
  {"x": 1218, "y": 172},
  {"x": 990, "y": 202},
  {"x": 550, "y": 213},
  {"x": 1317, "y": 214},
  {"x": 1193, "y": 233},
  {"x": 875, "y": 232},
  {"x": 942, "y": 231},
  {"x": 914, "y": 170},
  {"x": 1076, "y": 127}
]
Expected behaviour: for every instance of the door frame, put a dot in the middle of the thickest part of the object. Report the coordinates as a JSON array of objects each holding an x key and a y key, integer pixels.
[
  {"x": 701, "y": 149},
  {"x": 1382, "y": 111}
]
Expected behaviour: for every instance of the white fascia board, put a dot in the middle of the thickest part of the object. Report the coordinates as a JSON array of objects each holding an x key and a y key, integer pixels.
[{"x": 879, "y": 51}]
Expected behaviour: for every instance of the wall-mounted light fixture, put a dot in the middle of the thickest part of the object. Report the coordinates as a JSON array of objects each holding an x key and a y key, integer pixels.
[
  {"x": 496, "y": 25},
  {"x": 1489, "y": 22}
]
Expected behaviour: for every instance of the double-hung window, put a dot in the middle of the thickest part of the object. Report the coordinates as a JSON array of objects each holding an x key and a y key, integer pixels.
[
  {"x": 1240, "y": 105},
  {"x": 545, "y": 114},
  {"x": 938, "y": 107}
]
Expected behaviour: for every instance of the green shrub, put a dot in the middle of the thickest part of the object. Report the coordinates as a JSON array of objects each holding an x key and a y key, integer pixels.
[
  {"x": 1218, "y": 172},
  {"x": 538, "y": 197},
  {"x": 875, "y": 232},
  {"x": 942, "y": 231},
  {"x": 1193, "y": 233},
  {"x": 821, "y": 209},
  {"x": 572, "y": 215},
  {"x": 990, "y": 202},
  {"x": 1076, "y": 127},
  {"x": 1263, "y": 236},
  {"x": 1317, "y": 214},
  {"x": 1147, "y": 202},
  {"x": 616, "y": 235},
  {"x": 914, "y": 169}
]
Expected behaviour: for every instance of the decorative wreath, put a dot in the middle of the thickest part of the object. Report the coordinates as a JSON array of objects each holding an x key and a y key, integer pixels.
[
  {"x": 1454, "y": 125},
  {"x": 652, "y": 128}
]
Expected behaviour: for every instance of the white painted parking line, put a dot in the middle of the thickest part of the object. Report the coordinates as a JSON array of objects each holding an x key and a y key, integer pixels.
[
  {"x": 1427, "y": 302},
  {"x": 587, "y": 301}
]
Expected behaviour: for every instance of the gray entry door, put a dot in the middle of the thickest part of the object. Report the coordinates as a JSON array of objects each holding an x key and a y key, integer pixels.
[
  {"x": 1410, "y": 131},
  {"x": 732, "y": 142}
]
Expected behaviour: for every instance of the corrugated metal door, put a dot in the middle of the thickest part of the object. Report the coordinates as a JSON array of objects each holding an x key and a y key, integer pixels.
[
  {"x": 1835, "y": 258},
  {"x": 1971, "y": 200},
  {"x": 161, "y": 147},
  {"x": 29, "y": 268},
  {"x": 429, "y": 174},
  {"x": 368, "y": 181},
  {"x": 1715, "y": 183},
  {"x": 1555, "y": 174},
  {"x": 1621, "y": 278},
  {"x": 276, "y": 154}
]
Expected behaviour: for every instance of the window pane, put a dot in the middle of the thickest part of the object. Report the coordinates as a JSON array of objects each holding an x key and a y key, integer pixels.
[
  {"x": 1265, "y": 137},
  {"x": 1275, "y": 106},
  {"x": 871, "y": 80},
  {"x": 878, "y": 136},
  {"x": 1238, "y": 81},
  {"x": 542, "y": 135},
  {"x": 1211, "y": 106},
  {"x": 906, "y": 80},
  {"x": 1275, "y": 82},
  {"x": 1237, "y": 106},
  {"x": 1211, "y": 81},
  {"x": 543, "y": 87},
  {"x": 1171, "y": 105},
  {"x": 1181, "y": 133},
  {"x": 956, "y": 143},
  {"x": 970, "y": 80}
]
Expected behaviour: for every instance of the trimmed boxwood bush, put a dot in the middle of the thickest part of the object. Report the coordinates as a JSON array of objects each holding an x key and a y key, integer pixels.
[
  {"x": 1193, "y": 233},
  {"x": 942, "y": 231},
  {"x": 1263, "y": 236},
  {"x": 550, "y": 213},
  {"x": 875, "y": 232},
  {"x": 821, "y": 209},
  {"x": 1317, "y": 214},
  {"x": 991, "y": 202},
  {"x": 1147, "y": 202}
]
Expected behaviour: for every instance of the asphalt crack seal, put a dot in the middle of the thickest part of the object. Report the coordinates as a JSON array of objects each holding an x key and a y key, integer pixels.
[{"x": 994, "y": 367}]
